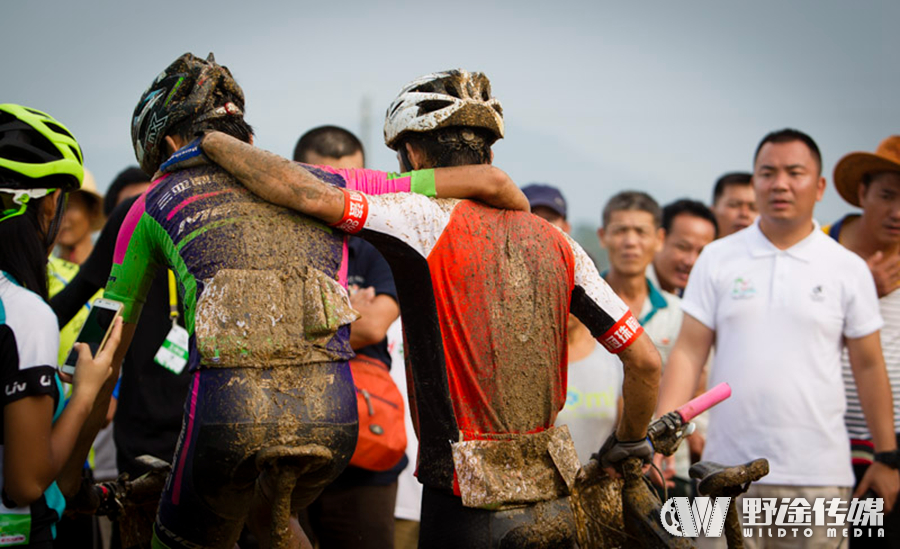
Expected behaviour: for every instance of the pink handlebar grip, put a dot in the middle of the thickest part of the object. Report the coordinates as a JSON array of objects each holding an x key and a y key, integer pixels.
[{"x": 704, "y": 402}]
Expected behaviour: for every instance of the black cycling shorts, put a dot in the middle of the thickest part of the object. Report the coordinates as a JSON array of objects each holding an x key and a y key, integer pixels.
[{"x": 446, "y": 523}]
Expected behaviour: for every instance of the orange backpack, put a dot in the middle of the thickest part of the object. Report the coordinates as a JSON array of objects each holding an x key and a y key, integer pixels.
[{"x": 382, "y": 433}]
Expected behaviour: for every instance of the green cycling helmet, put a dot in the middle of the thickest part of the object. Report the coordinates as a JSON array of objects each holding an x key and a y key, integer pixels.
[{"x": 38, "y": 155}]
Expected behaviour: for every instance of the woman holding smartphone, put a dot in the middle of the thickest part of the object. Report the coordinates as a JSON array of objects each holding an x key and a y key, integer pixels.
[{"x": 39, "y": 162}]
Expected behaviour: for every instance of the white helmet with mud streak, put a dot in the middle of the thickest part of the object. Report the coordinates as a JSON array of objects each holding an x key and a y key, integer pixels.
[{"x": 442, "y": 100}]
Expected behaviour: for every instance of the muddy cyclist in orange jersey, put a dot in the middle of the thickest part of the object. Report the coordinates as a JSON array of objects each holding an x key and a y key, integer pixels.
[{"x": 485, "y": 296}]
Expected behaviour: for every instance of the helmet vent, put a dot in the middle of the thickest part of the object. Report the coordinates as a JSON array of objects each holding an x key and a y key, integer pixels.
[
  {"x": 77, "y": 154},
  {"x": 452, "y": 90},
  {"x": 21, "y": 152},
  {"x": 426, "y": 107},
  {"x": 58, "y": 129},
  {"x": 428, "y": 87}
]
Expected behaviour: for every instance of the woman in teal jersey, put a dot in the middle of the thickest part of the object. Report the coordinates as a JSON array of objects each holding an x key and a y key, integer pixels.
[{"x": 41, "y": 440}]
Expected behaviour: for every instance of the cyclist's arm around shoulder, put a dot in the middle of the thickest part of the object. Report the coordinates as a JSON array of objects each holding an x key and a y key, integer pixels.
[
  {"x": 478, "y": 182},
  {"x": 275, "y": 179},
  {"x": 484, "y": 182}
]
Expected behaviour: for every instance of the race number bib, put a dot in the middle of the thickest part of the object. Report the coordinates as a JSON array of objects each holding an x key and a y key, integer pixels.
[
  {"x": 173, "y": 355},
  {"x": 15, "y": 526}
]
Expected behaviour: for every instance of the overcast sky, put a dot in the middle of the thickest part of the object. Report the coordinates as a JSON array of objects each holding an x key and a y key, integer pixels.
[{"x": 598, "y": 96}]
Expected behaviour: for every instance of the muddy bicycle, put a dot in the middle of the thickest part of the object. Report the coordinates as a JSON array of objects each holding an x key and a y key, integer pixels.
[
  {"x": 132, "y": 503},
  {"x": 608, "y": 512},
  {"x": 626, "y": 512}
]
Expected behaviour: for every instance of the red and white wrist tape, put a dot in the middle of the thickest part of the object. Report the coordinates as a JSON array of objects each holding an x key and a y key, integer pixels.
[
  {"x": 622, "y": 334},
  {"x": 356, "y": 210}
]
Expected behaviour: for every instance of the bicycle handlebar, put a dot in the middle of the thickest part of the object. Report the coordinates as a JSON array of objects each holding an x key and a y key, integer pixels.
[{"x": 704, "y": 402}]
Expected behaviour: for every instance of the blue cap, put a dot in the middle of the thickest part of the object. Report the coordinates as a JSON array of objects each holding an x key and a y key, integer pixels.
[{"x": 539, "y": 194}]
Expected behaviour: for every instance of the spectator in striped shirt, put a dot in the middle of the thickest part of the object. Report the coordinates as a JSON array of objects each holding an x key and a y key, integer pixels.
[{"x": 872, "y": 182}]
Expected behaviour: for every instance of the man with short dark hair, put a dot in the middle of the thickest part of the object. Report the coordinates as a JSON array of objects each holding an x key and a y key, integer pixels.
[
  {"x": 872, "y": 182},
  {"x": 780, "y": 300},
  {"x": 330, "y": 146},
  {"x": 688, "y": 226},
  {"x": 485, "y": 297},
  {"x": 734, "y": 203},
  {"x": 357, "y": 509},
  {"x": 632, "y": 236}
]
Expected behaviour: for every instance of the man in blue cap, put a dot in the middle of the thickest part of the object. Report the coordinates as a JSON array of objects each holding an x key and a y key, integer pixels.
[{"x": 548, "y": 204}]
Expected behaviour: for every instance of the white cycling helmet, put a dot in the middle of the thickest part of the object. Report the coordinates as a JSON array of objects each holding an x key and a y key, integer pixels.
[{"x": 441, "y": 100}]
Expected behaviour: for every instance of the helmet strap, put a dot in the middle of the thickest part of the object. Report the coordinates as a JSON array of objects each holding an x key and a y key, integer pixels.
[
  {"x": 405, "y": 164},
  {"x": 56, "y": 222}
]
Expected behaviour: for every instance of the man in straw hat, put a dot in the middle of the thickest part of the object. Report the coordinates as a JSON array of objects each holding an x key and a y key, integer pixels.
[
  {"x": 83, "y": 216},
  {"x": 872, "y": 182}
]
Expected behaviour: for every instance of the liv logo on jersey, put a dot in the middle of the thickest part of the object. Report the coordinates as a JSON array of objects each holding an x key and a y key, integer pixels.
[
  {"x": 14, "y": 388},
  {"x": 683, "y": 518}
]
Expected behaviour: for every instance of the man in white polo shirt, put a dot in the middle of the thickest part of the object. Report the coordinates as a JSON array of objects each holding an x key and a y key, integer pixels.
[{"x": 780, "y": 299}]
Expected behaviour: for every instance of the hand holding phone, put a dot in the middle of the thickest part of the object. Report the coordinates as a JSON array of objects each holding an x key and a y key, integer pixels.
[
  {"x": 93, "y": 372},
  {"x": 95, "y": 331}
]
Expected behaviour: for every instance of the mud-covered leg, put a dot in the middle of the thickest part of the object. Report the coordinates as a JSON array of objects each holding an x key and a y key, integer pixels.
[
  {"x": 270, "y": 525},
  {"x": 280, "y": 467}
]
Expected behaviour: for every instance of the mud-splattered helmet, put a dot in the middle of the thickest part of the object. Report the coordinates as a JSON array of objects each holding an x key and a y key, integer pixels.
[
  {"x": 189, "y": 90},
  {"x": 442, "y": 100},
  {"x": 38, "y": 155}
]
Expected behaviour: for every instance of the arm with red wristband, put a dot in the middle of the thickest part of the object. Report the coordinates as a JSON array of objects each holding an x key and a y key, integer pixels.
[{"x": 289, "y": 184}]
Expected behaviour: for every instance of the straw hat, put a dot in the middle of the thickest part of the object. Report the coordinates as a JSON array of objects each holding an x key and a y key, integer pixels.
[
  {"x": 94, "y": 199},
  {"x": 850, "y": 170}
]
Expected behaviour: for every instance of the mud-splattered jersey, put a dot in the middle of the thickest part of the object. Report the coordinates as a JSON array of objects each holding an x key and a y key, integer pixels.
[
  {"x": 485, "y": 296},
  {"x": 260, "y": 284}
]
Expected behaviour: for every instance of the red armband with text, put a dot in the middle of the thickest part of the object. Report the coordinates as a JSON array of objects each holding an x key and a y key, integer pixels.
[
  {"x": 622, "y": 334},
  {"x": 356, "y": 210}
]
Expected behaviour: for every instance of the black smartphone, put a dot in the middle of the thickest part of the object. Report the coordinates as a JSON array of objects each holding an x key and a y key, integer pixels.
[{"x": 95, "y": 330}]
